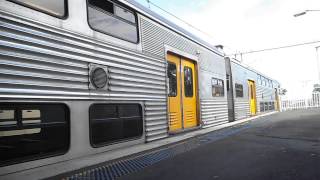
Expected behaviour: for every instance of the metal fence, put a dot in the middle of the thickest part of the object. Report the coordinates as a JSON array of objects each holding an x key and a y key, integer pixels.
[{"x": 313, "y": 102}]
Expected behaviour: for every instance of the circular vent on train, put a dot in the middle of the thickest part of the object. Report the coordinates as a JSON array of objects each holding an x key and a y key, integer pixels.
[{"x": 98, "y": 77}]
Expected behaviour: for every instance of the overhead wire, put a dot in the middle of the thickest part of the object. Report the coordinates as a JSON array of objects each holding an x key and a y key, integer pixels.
[
  {"x": 182, "y": 20},
  {"x": 275, "y": 48},
  {"x": 209, "y": 35}
]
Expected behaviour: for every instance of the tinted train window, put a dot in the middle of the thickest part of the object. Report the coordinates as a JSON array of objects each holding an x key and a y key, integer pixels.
[
  {"x": 266, "y": 106},
  {"x": 261, "y": 106},
  {"x": 32, "y": 131},
  {"x": 217, "y": 87},
  {"x": 272, "y": 106},
  {"x": 110, "y": 123},
  {"x": 188, "y": 82},
  {"x": 109, "y": 18},
  {"x": 56, "y": 8},
  {"x": 172, "y": 76},
  {"x": 239, "y": 90}
]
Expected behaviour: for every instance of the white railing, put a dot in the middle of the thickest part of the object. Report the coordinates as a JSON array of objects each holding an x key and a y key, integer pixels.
[{"x": 314, "y": 102}]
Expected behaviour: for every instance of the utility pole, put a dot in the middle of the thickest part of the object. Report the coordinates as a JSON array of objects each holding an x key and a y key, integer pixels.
[{"x": 318, "y": 63}]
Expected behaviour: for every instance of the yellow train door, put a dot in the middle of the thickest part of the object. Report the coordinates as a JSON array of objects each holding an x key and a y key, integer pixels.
[
  {"x": 174, "y": 94},
  {"x": 182, "y": 95},
  {"x": 252, "y": 97},
  {"x": 189, "y": 94}
]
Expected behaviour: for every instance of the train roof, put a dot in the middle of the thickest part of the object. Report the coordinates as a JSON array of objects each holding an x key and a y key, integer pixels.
[
  {"x": 235, "y": 61},
  {"x": 171, "y": 25}
]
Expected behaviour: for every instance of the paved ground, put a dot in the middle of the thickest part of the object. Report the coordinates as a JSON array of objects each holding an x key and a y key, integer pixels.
[{"x": 283, "y": 146}]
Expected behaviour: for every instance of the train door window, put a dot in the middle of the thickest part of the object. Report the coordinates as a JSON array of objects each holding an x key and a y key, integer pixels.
[
  {"x": 188, "y": 82},
  {"x": 32, "y": 131},
  {"x": 172, "y": 77},
  {"x": 57, "y": 8},
  {"x": 111, "y": 123},
  {"x": 239, "y": 90},
  {"x": 112, "y": 19},
  {"x": 217, "y": 87}
]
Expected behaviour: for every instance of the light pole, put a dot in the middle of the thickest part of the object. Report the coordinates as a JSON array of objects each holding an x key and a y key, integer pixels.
[
  {"x": 305, "y": 12},
  {"x": 318, "y": 64}
]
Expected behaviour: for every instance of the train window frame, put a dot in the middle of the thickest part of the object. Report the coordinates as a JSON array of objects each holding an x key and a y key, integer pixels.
[
  {"x": 188, "y": 92},
  {"x": 108, "y": 143},
  {"x": 239, "y": 92},
  {"x": 29, "y": 131},
  {"x": 113, "y": 15},
  {"x": 63, "y": 17},
  {"x": 170, "y": 94},
  {"x": 217, "y": 83}
]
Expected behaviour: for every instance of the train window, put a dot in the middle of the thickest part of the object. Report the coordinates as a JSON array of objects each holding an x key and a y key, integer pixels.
[
  {"x": 111, "y": 123},
  {"x": 217, "y": 87},
  {"x": 239, "y": 90},
  {"x": 112, "y": 19},
  {"x": 272, "y": 106},
  {"x": 57, "y": 8},
  {"x": 266, "y": 106},
  {"x": 172, "y": 76},
  {"x": 261, "y": 106},
  {"x": 32, "y": 131},
  {"x": 188, "y": 82},
  {"x": 124, "y": 14}
]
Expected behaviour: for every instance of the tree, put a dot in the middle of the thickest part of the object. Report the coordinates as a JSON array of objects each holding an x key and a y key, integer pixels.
[{"x": 283, "y": 92}]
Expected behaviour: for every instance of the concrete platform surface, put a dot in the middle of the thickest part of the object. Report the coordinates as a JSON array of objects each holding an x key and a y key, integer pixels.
[{"x": 282, "y": 146}]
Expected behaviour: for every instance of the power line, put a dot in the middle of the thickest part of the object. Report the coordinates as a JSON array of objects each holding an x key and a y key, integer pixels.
[
  {"x": 187, "y": 23},
  {"x": 275, "y": 48}
]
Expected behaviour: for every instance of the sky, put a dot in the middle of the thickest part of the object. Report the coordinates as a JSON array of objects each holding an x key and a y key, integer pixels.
[{"x": 247, "y": 25}]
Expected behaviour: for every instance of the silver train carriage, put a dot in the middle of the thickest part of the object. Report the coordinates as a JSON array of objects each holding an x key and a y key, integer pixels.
[{"x": 80, "y": 78}]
